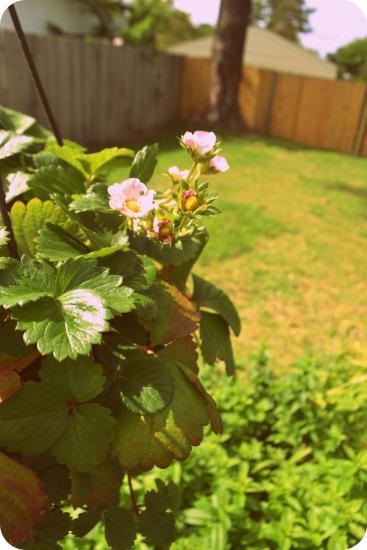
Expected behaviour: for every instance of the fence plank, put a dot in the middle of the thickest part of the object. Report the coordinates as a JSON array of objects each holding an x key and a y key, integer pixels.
[
  {"x": 249, "y": 95},
  {"x": 283, "y": 116}
]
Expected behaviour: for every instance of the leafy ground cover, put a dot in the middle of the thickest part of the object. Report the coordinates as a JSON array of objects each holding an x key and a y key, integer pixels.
[
  {"x": 290, "y": 246},
  {"x": 289, "y": 471}
]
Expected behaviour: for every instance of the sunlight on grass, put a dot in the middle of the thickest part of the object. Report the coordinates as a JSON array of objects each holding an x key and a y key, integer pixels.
[
  {"x": 237, "y": 230},
  {"x": 290, "y": 245}
]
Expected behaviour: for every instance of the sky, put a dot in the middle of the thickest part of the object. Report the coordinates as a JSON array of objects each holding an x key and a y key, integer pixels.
[{"x": 334, "y": 23}]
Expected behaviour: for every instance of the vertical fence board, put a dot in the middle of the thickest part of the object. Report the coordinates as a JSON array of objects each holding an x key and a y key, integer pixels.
[
  {"x": 285, "y": 103},
  {"x": 249, "y": 95}
]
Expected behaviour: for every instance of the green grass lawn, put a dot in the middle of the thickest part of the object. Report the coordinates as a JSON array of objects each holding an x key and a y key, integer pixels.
[{"x": 290, "y": 246}]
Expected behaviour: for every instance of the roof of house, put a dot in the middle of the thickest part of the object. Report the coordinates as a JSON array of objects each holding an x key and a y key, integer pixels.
[{"x": 267, "y": 50}]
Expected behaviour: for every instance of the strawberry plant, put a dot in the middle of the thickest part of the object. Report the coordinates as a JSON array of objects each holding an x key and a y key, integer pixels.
[{"x": 102, "y": 325}]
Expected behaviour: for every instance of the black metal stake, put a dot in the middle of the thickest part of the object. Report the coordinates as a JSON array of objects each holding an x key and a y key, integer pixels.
[
  {"x": 35, "y": 74},
  {"x": 12, "y": 246}
]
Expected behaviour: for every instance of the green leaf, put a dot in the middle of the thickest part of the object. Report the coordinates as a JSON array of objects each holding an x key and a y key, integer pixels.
[
  {"x": 77, "y": 447},
  {"x": 85, "y": 522},
  {"x": 173, "y": 316},
  {"x": 49, "y": 180},
  {"x": 63, "y": 310},
  {"x": 22, "y": 500},
  {"x": 53, "y": 415},
  {"x": 70, "y": 154},
  {"x": 80, "y": 380},
  {"x": 158, "y": 528},
  {"x": 157, "y": 439},
  {"x": 27, "y": 220},
  {"x": 207, "y": 295},
  {"x": 12, "y": 144},
  {"x": 21, "y": 123},
  {"x": 95, "y": 200},
  {"x": 26, "y": 282},
  {"x": 11, "y": 342},
  {"x": 215, "y": 340},
  {"x": 15, "y": 121},
  {"x": 56, "y": 482},
  {"x": 144, "y": 163},
  {"x": 179, "y": 274},
  {"x": 120, "y": 528},
  {"x": 54, "y": 527},
  {"x": 15, "y": 185},
  {"x": 97, "y": 161},
  {"x": 97, "y": 488},
  {"x": 146, "y": 385},
  {"x": 138, "y": 272},
  {"x": 182, "y": 252},
  {"x": 156, "y": 523},
  {"x": 213, "y": 413},
  {"x": 166, "y": 497},
  {"x": 55, "y": 243},
  {"x": 182, "y": 351}
]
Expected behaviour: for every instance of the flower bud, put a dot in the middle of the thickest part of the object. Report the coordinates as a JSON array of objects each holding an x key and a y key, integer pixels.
[
  {"x": 216, "y": 165},
  {"x": 219, "y": 164},
  {"x": 163, "y": 230},
  {"x": 190, "y": 201},
  {"x": 199, "y": 143},
  {"x": 178, "y": 175}
]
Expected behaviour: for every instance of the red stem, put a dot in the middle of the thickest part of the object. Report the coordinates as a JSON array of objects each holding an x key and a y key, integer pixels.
[{"x": 132, "y": 494}]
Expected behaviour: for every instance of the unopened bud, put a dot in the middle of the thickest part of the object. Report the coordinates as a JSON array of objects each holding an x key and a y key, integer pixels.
[
  {"x": 163, "y": 230},
  {"x": 190, "y": 201}
]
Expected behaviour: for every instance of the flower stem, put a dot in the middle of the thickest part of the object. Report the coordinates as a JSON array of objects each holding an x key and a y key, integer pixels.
[{"x": 192, "y": 171}]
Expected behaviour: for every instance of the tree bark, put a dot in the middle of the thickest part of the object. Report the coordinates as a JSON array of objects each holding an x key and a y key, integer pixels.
[{"x": 228, "y": 48}]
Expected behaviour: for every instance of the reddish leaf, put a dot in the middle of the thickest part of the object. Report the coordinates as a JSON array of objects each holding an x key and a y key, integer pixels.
[
  {"x": 175, "y": 316},
  {"x": 214, "y": 416},
  {"x": 23, "y": 362},
  {"x": 22, "y": 500},
  {"x": 9, "y": 383}
]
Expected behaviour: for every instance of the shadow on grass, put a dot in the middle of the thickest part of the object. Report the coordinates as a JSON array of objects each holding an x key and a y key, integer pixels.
[
  {"x": 238, "y": 230},
  {"x": 342, "y": 187}
]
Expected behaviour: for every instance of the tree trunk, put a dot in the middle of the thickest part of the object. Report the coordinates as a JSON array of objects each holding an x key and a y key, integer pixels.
[{"x": 229, "y": 42}]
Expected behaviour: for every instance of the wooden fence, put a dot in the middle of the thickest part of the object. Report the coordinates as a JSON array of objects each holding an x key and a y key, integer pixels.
[
  {"x": 100, "y": 93},
  {"x": 327, "y": 114},
  {"x": 105, "y": 94}
]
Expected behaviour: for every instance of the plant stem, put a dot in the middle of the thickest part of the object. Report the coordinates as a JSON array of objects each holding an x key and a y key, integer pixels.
[
  {"x": 36, "y": 77},
  {"x": 192, "y": 171},
  {"x": 12, "y": 245},
  {"x": 132, "y": 494}
]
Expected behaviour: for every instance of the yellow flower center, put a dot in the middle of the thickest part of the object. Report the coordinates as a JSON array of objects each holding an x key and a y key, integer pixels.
[{"x": 134, "y": 206}]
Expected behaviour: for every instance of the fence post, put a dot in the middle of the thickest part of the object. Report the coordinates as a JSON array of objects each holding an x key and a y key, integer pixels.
[
  {"x": 270, "y": 103},
  {"x": 362, "y": 128}
]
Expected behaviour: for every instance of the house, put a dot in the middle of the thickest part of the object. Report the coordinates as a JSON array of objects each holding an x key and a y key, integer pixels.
[
  {"x": 266, "y": 50},
  {"x": 35, "y": 15}
]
